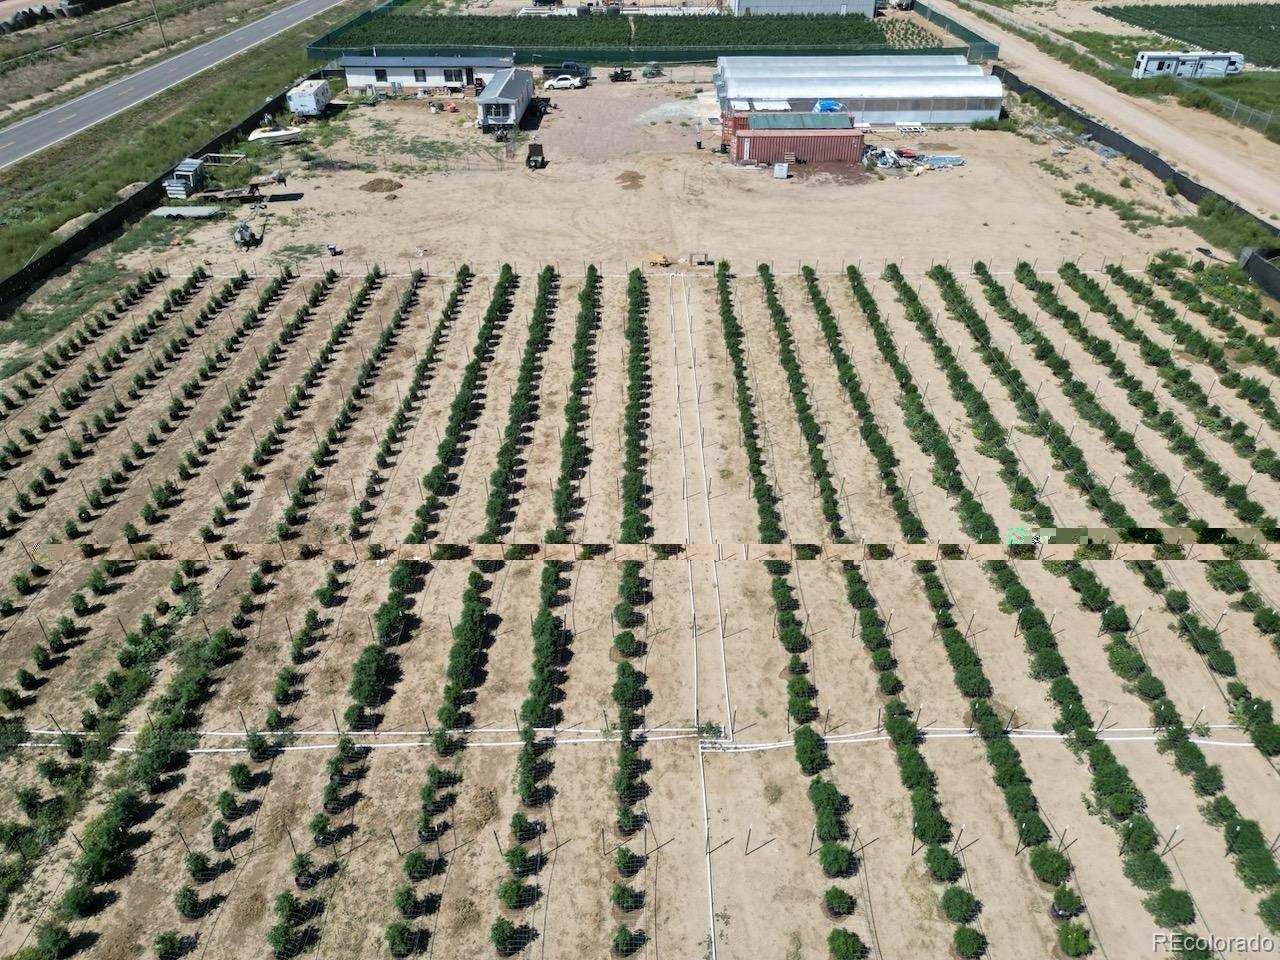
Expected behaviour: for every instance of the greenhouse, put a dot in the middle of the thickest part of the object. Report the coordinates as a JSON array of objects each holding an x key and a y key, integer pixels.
[{"x": 874, "y": 94}]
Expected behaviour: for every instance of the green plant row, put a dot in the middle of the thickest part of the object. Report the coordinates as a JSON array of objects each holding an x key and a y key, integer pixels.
[
  {"x": 986, "y": 429},
  {"x": 769, "y": 523},
  {"x": 412, "y": 29},
  {"x": 923, "y": 427},
  {"x": 796, "y": 386},
  {"x": 912, "y": 527},
  {"x": 75, "y": 343},
  {"x": 266, "y": 446},
  {"x": 635, "y": 518},
  {"x": 462, "y": 409},
  {"x": 835, "y": 854},
  {"x": 970, "y": 679},
  {"x": 1178, "y": 379},
  {"x": 293, "y": 515},
  {"x": 1116, "y": 799},
  {"x": 1249, "y": 347},
  {"x": 1254, "y": 861},
  {"x": 1253, "y": 713},
  {"x": 108, "y": 488},
  {"x": 71, "y": 398},
  {"x": 398, "y": 425},
  {"x": 65, "y": 628},
  {"x": 574, "y": 452},
  {"x": 550, "y": 641},
  {"x": 521, "y": 409},
  {"x": 1144, "y": 475},
  {"x": 1066, "y": 455},
  {"x": 929, "y": 824},
  {"x": 1232, "y": 286},
  {"x": 1247, "y": 27},
  {"x": 1112, "y": 511},
  {"x": 1215, "y": 479}
]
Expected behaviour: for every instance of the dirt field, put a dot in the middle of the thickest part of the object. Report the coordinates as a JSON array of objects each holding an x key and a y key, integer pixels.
[{"x": 368, "y": 381}]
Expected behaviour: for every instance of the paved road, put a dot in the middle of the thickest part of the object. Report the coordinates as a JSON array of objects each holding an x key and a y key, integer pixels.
[
  {"x": 1238, "y": 162},
  {"x": 22, "y": 139}
]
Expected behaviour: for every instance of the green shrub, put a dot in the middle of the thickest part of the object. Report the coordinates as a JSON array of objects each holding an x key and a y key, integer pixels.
[
  {"x": 959, "y": 905},
  {"x": 845, "y": 945},
  {"x": 503, "y": 935},
  {"x": 1073, "y": 939},
  {"x": 186, "y": 903},
  {"x": 943, "y": 865},
  {"x": 167, "y": 945},
  {"x": 1049, "y": 865},
  {"x": 1171, "y": 908},
  {"x": 838, "y": 902},
  {"x": 969, "y": 942},
  {"x": 836, "y": 859},
  {"x": 1067, "y": 901},
  {"x": 811, "y": 751},
  {"x": 1146, "y": 870}
]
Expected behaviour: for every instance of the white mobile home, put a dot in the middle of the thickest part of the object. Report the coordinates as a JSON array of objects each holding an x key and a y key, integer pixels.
[
  {"x": 413, "y": 74},
  {"x": 504, "y": 99},
  {"x": 1181, "y": 63}
]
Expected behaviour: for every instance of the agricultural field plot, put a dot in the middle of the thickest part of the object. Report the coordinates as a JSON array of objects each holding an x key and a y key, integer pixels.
[
  {"x": 1247, "y": 27},
  {"x": 484, "y": 592}
]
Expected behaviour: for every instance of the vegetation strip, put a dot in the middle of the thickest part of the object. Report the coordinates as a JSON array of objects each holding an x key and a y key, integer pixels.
[
  {"x": 1249, "y": 346},
  {"x": 1254, "y": 860},
  {"x": 829, "y": 804},
  {"x": 1178, "y": 379},
  {"x": 575, "y": 453},
  {"x": 1048, "y": 864},
  {"x": 634, "y": 489},
  {"x": 70, "y": 399},
  {"x": 66, "y": 631},
  {"x": 399, "y": 423},
  {"x": 521, "y": 410},
  {"x": 1215, "y": 479}
]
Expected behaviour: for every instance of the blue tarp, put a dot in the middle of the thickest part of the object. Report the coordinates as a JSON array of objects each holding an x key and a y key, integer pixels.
[{"x": 828, "y": 106}]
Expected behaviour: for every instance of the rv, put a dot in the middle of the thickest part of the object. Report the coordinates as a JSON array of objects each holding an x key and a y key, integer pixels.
[{"x": 1190, "y": 66}]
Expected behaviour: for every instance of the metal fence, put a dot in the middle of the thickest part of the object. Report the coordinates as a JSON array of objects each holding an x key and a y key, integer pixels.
[
  {"x": 322, "y": 49},
  {"x": 980, "y": 48},
  {"x": 1191, "y": 189},
  {"x": 21, "y": 282}
]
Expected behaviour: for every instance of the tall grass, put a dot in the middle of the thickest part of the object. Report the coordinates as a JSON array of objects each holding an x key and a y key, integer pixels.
[{"x": 143, "y": 142}]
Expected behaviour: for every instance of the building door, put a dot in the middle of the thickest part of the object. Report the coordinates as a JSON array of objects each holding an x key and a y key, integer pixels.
[{"x": 471, "y": 77}]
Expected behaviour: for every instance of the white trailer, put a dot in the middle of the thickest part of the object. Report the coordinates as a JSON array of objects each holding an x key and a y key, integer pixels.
[
  {"x": 309, "y": 98},
  {"x": 1189, "y": 65}
]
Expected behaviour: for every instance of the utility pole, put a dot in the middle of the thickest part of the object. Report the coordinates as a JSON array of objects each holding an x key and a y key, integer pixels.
[{"x": 159, "y": 24}]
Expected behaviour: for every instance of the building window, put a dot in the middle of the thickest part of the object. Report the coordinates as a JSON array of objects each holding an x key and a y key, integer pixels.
[
  {"x": 379, "y": 76},
  {"x": 453, "y": 75},
  {"x": 419, "y": 76}
]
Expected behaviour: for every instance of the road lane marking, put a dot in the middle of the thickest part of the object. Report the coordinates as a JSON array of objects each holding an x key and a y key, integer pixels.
[{"x": 242, "y": 39}]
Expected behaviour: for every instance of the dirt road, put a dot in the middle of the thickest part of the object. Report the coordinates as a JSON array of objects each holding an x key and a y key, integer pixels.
[{"x": 1236, "y": 161}]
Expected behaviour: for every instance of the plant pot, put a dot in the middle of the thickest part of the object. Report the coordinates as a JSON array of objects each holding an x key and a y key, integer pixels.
[{"x": 826, "y": 911}]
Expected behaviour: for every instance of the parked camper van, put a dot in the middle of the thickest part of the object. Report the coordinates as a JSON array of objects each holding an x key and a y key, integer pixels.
[{"x": 1190, "y": 66}]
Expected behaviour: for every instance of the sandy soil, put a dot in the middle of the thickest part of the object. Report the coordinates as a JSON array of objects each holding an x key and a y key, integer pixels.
[
  {"x": 710, "y": 654},
  {"x": 1189, "y": 138}
]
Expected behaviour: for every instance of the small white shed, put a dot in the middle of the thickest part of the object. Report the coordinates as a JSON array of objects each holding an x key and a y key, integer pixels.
[
  {"x": 505, "y": 99},
  {"x": 413, "y": 74}
]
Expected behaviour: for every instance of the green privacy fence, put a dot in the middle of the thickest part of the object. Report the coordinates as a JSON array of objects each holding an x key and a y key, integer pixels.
[
  {"x": 607, "y": 55},
  {"x": 980, "y": 48}
]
